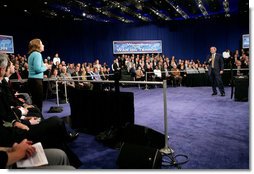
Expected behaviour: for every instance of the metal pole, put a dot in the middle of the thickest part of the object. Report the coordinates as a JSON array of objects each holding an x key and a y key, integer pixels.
[
  {"x": 166, "y": 149},
  {"x": 146, "y": 81},
  {"x": 65, "y": 91},
  {"x": 57, "y": 95}
]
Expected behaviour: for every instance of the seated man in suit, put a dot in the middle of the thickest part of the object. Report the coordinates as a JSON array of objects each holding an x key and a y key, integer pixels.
[{"x": 24, "y": 108}]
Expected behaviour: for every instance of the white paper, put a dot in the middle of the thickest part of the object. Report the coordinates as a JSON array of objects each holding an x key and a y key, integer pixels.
[{"x": 38, "y": 159}]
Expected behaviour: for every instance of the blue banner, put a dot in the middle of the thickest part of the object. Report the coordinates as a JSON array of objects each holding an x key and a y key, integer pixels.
[
  {"x": 6, "y": 44},
  {"x": 137, "y": 47}
]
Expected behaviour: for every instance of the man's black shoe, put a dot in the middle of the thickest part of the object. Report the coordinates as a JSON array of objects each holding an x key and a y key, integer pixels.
[
  {"x": 223, "y": 94},
  {"x": 214, "y": 93}
]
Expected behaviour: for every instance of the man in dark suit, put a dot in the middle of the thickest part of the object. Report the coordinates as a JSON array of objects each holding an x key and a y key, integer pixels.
[
  {"x": 215, "y": 70},
  {"x": 117, "y": 74}
]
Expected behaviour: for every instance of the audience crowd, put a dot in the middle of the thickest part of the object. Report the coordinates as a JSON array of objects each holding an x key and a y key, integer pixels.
[{"x": 150, "y": 67}]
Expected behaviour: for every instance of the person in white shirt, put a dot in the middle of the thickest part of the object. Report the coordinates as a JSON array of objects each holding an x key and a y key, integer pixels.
[
  {"x": 157, "y": 73},
  {"x": 56, "y": 59}
]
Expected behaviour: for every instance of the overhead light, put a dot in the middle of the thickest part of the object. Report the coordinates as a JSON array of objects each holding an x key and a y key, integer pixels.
[
  {"x": 25, "y": 11},
  {"x": 125, "y": 9},
  {"x": 45, "y": 2},
  {"x": 81, "y": 4},
  {"x": 202, "y": 7},
  {"x": 178, "y": 9},
  {"x": 52, "y": 13},
  {"x": 83, "y": 14},
  {"x": 159, "y": 13},
  {"x": 77, "y": 19},
  {"x": 225, "y": 4},
  {"x": 66, "y": 9},
  {"x": 5, "y": 5}
]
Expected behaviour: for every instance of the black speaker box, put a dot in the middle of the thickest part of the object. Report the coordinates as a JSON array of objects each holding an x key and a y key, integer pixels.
[
  {"x": 141, "y": 135},
  {"x": 134, "y": 156},
  {"x": 241, "y": 88}
]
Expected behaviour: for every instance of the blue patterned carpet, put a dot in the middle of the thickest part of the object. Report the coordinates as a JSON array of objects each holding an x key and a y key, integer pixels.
[{"x": 212, "y": 130}]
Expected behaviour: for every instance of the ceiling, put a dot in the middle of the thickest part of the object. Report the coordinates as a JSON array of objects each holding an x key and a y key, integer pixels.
[{"x": 125, "y": 11}]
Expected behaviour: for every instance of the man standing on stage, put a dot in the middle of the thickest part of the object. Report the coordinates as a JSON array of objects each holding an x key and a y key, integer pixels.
[{"x": 215, "y": 70}]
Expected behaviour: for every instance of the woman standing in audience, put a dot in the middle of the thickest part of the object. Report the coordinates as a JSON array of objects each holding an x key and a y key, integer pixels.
[{"x": 36, "y": 69}]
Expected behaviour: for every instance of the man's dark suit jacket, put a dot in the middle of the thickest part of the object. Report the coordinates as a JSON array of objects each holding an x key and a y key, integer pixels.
[
  {"x": 116, "y": 67},
  {"x": 218, "y": 63}
]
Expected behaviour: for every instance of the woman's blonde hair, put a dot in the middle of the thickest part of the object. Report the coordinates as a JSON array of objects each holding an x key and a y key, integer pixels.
[{"x": 34, "y": 45}]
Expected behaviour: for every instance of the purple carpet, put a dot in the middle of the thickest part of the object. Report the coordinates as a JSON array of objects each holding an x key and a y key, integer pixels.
[{"x": 212, "y": 130}]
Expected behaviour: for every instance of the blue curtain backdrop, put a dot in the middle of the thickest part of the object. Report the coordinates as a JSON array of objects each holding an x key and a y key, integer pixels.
[{"x": 87, "y": 41}]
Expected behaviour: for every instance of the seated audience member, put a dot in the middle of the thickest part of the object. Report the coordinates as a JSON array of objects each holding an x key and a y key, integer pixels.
[
  {"x": 87, "y": 85},
  {"x": 150, "y": 73},
  {"x": 96, "y": 75},
  {"x": 157, "y": 73},
  {"x": 71, "y": 68},
  {"x": 24, "y": 73},
  {"x": 139, "y": 74},
  {"x": 67, "y": 76},
  {"x": 77, "y": 76},
  {"x": 18, "y": 86},
  {"x": 190, "y": 69},
  {"x": 21, "y": 106},
  {"x": 133, "y": 71},
  {"x": 89, "y": 73},
  {"x": 102, "y": 74},
  {"x": 50, "y": 132},
  {"x": 47, "y": 73},
  {"x": 244, "y": 63},
  {"x": 52, "y": 84},
  {"x": 176, "y": 75},
  {"x": 97, "y": 64},
  {"x": 201, "y": 69},
  {"x": 166, "y": 74},
  {"x": 238, "y": 64},
  {"x": 56, "y": 158},
  {"x": 105, "y": 86}
]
